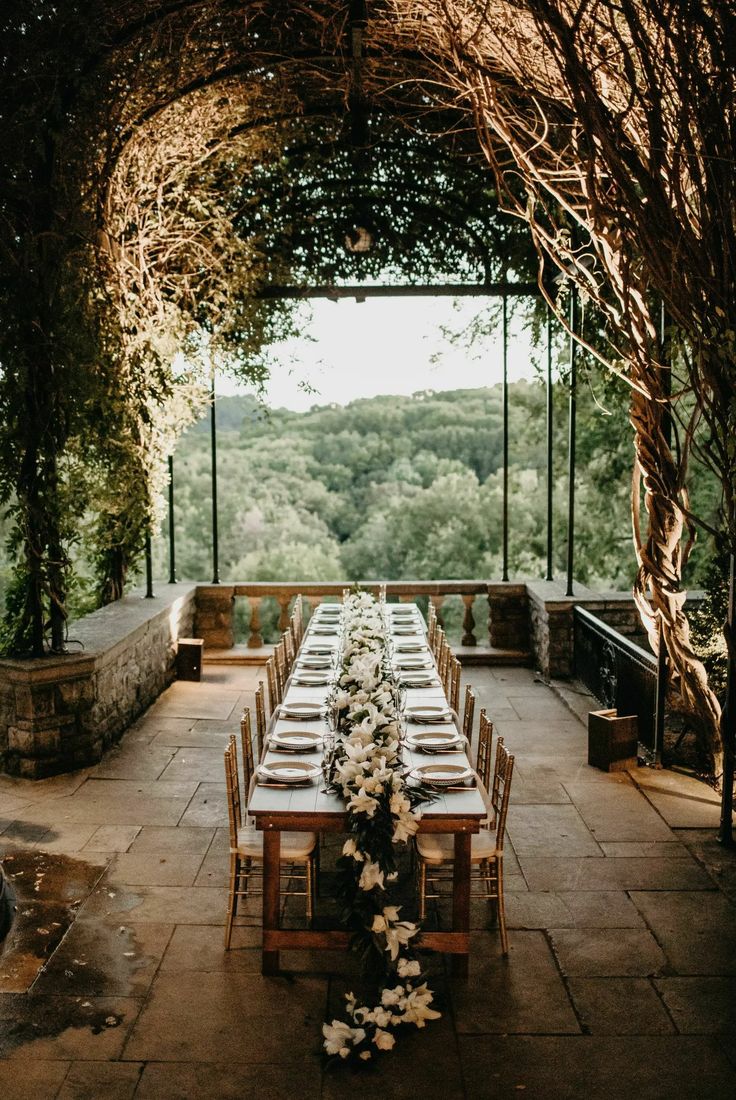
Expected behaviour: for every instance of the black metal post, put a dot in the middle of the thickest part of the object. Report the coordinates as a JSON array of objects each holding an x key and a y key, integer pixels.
[
  {"x": 505, "y": 523},
  {"x": 550, "y": 474},
  {"x": 172, "y": 546},
  {"x": 213, "y": 441},
  {"x": 571, "y": 443},
  {"x": 728, "y": 717},
  {"x": 149, "y": 569}
]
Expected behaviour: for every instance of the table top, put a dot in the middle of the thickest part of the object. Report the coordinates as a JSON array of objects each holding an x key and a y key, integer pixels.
[{"x": 299, "y": 806}]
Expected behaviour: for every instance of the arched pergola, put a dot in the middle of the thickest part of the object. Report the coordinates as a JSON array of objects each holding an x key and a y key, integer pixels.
[{"x": 128, "y": 132}]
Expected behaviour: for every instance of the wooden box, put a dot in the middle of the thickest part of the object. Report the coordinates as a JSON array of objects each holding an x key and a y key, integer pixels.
[
  {"x": 189, "y": 659},
  {"x": 613, "y": 740}
]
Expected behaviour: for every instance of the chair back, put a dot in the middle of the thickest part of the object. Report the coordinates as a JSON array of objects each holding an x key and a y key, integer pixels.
[
  {"x": 232, "y": 784},
  {"x": 280, "y": 665},
  {"x": 501, "y": 790},
  {"x": 289, "y": 650},
  {"x": 468, "y": 712},
  {"x": 260, "y": 718},
  {"x": 246, "y": 738},
  {"x": 274, "y": 697},
  {"x": 483, "y": 756},
  {"x": 454, "y": 682}
]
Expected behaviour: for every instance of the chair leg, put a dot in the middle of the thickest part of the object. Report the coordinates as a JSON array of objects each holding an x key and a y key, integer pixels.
[
  {"x": 422, "y": 889},
  {"x": 232, "y": 903},
  {"x": 310, "y": 890},
  {"x": 501, "y": 910}
]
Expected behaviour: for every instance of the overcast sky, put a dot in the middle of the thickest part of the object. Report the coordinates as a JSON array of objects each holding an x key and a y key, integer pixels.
[{"x": 387, "y": 345}]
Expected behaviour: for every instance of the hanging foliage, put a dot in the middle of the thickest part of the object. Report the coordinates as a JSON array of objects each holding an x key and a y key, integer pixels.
[{"x": 619, "y": 122}]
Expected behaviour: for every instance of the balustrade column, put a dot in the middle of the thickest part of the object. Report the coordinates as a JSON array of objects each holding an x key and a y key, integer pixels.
[
  {"x": 255, "y": 638},
  {"x": 469, "y": 638},
  {"x": 283, "y": 601}
]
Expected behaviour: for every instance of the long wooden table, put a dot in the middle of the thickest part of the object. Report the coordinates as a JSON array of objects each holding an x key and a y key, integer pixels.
[{"x": 311, "y": 809}]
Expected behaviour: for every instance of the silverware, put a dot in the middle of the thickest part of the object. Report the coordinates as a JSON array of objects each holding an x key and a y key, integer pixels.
[
  {"x": 471, "y": 787},
  {"x": 282, "y": 786}
]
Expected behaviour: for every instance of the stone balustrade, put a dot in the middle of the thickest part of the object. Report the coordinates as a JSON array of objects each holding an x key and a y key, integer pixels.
[{"x": 506, "y": 626}]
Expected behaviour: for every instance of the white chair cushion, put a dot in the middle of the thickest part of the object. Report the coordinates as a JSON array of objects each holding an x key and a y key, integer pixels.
[
  {"x": 293, "y": 845},
  {"x": 440, "y": 847}
]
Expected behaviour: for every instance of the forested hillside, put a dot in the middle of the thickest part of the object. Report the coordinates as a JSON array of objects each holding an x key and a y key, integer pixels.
[{"x": 404, "y": 487}]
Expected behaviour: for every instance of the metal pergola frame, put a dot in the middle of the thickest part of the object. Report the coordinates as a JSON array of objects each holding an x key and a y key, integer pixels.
[{"x": 361, "y": 292}]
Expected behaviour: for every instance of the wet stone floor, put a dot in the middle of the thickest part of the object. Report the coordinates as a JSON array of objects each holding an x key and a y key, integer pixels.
[{"x": 621, "y": 977}]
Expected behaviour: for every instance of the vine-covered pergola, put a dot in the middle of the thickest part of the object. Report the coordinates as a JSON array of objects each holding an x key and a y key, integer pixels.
[{"x": 163, "y": 162}]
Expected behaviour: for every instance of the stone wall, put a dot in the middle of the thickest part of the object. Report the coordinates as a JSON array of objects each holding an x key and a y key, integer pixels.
[{"x": 61, "y": 713}]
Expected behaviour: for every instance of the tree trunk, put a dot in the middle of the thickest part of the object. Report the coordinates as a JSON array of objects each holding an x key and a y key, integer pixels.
[{"x": 657, "y": 589}]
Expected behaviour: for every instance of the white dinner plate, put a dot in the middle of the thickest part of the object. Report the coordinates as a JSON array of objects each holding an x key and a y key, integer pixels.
[
  {"x": 318, "y": 649},
  {"x": 295, "y": 771},
  {"x": 411, "y": 647},
  {"x": 304, "y": 678},
  {"x": 302, "y": 709},
  {"x": 313, "y": 661},
  {"x": 318, "y": 629},
  {"x": 402, "y": 631},
  {"x": 419, "y": 680},
  {"x": 428, "y": 714},
  {"x": 439, "y": 741},
  {"x": 442, "y": 775},
  {"x": 296, "y": 741},
  {"x": 406, "y": 663}
]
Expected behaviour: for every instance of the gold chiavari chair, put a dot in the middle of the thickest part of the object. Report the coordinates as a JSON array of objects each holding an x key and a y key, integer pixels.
[
  {"x": 274, "y": 696},
  {"x": 435, "y": 850},
  {"x": 281, "y": 675},
  {"x": 289, "y": 650},
  {"x": 453, "y": 694},
  {"x": 246, "y": 848},
  {"x": 468, "y": 713},
  {"x": 260, "y": 717},
  {"x": 483, "y": 755},
  {"x": 431, "y": 625},
  {"x": 246, "y": 741}
]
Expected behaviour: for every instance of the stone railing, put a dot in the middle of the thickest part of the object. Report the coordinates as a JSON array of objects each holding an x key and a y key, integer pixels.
[{"x": 506, "y": 627}]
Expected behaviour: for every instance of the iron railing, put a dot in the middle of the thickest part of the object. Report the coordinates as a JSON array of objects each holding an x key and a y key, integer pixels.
[{"x": 620, "y": 674}]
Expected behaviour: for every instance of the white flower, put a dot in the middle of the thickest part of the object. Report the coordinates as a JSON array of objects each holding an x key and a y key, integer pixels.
[
  {"x": 399, "y": 803},
  {"x": 363, "y": 804},
  {"x": 371, "y": 876},
  {"x": 406, "y": 825},
  {"x": 407, "y": 968},
  {"x": 339, "y": 1036},
  {"x": 394, "y": 996},
  {"x": 365, "y": 1055},
  {"x": 417, "y": 1010},
  {"x": 383, "y": 1040},
  {"x": 350, "y": 848}
]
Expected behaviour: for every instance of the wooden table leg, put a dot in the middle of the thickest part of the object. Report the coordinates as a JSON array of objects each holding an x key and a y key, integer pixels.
[
  {"x": 271, "y": 894},
  {"x": 461, "y": 898}
]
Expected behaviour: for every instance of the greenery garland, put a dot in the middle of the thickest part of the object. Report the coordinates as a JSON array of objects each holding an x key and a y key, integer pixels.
[{"x": 383, "y": 810}]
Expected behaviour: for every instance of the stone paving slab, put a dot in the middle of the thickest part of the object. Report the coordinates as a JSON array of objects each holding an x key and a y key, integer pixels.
[
  {"x": 586, "y": 909},
  {"x": 231, "y": 1080},
  {"x": 597, "y": 1067},
  {"x": 700, "y": 1006},
  {"x": 196, "y": 1016},
  {"x": 614, "y": 874},
  {"x": 606, "y": 952},
  {"x": 697, "y": 931},
  {"x": 683, "y": 802},
  {"x": 522, "y": 993},
  {"x": 94, "y": 1080},
  {"x": 40, "y": 1080},
  {"x": 620, "y": 1006}
]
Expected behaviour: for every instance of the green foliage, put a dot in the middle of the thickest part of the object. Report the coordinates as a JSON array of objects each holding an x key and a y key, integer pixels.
[{"x": 401, "y": 488}]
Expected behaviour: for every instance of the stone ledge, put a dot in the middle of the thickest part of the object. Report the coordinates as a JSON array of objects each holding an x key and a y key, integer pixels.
[{"x": 60, "y": 713}]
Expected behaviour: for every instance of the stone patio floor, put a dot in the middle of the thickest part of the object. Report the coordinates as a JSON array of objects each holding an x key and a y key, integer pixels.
[{"x": 621, "y": 978}]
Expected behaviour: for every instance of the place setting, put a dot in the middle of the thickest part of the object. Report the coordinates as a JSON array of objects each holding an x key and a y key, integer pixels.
[
  {"x": 428, "y": 714},
  {"x": 285, "y": 774},
  {"x": 445, "y": 777},
  {"x": 307, "y": 678},
  {"x": 302, "y": 710},
  {"x": 288, "y": 741},
  {"x": 436, "y": 741}
]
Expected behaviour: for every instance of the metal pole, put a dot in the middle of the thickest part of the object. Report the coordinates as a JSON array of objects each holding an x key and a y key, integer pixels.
[
  {"x": 213, "y": 441},
  {"x": 149, "y": 569},
  {"x": 550, "y": 575},
  {"x": 728, "y": 717},
  {"x": 172, "y": 548},
  {"x": 505, "y": 573},
  {"x": 571, "y": 445}
]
